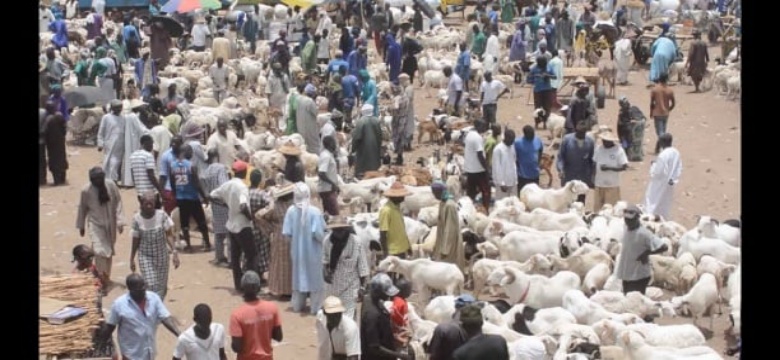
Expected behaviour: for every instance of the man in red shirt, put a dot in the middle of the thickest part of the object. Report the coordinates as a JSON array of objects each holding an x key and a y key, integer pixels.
[
  {"x": 255, "y": 323},
  {"x": 399, "y": 314}
]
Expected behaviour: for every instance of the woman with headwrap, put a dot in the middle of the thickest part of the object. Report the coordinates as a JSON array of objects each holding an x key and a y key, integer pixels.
[
  {"x": 304, "y": 227},
  {"x": 271, "y": 219},
  {"x": 367, "y": 142},
  {"x": 101, "y": 205},
  {"x": 507, "y": 11},
  {"x": 663, "y": 53},
  {"x": 368, "y": 93},
  {"x": 258, "y": 200},
  {"x": 60, "y": 30},
  {"x": 345, "y": 262},
  {"x": 153, "y": 240},
  {"x": 306, "y": 119},
  {"x": 278, "y": 87},
  {"x": 59, "y": 102},
  {"x": 449, "y": 242}
]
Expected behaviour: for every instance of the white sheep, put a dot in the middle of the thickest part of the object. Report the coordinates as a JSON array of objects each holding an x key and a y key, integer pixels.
[
  {"x": 700, "y": 299},
  {"x": 537, "y": 291},
  {"x": 633, "y": 302},
  {"x": 546, "y": 220},
  {"x": 588, "y": 312},
  {"x": 734, "y": 292},
  {"x": 541, "y": 321},
  {"x": 555, "y": 123},
  {"x": 537, "y": 264},
  {"x": 488, "y": 250},
  {"x": 635, "y": 345},
  {"x": 580, "y": 262},
  {"x": 684, "y": 335},
  {"x": 521, "y": 245},
  {"x": 426, "y": 274},
  {"x": 557, "y": 200},
  {"x": 702, "y": 245},
  {"x": 596, "y": 278},
  {"x": 711, "y": 228},
  {"x": 421, "y": 328}
]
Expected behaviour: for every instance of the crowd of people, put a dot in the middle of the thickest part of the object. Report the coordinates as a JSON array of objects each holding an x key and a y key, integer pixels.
[{"x": 274, "y": 241}]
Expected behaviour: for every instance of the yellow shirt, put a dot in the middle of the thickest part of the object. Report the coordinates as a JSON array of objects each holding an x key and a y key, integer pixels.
[
  {"x": 392, "y": 220},
  {"x": 249, "y": 169}
]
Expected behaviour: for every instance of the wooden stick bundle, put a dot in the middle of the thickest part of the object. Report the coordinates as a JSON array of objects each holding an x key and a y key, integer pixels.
[{"x": 74, "y": 337}]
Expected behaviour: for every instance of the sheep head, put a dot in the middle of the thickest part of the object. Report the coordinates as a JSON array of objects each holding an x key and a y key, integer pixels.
[
  {"x": 569, "y": 242},
  {"x": 665, "y": 308},
  {"x": 577, "y": 187},
  {"x": 388, "y": 264},
  {"x": 509, "y": 277}
]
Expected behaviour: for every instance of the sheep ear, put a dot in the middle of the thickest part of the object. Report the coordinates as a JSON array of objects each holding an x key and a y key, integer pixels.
[
  {"x": 697, "y": 218},
  {"x": 715, "y": 221}
]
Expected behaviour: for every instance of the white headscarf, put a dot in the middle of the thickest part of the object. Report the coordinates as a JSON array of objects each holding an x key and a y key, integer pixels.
[
  {"x": 301, "y": 197},
  {"x": 367, "y": 110}
]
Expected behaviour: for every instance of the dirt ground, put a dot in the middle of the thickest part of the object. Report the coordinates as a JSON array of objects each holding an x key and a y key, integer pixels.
[{"x": 707, "y": 133}]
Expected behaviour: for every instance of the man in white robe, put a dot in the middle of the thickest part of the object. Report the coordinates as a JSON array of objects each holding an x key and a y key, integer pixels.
[
  {"x": 623, "y": 60},
  {"x": 665, "y": 173},
  {"x": 118, "y": 136},
  {"x": 134, "y": 129},
  {"x": 492, "y": 53}
]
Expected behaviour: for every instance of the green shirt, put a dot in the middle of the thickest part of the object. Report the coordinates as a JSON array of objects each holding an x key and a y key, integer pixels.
[
  {"x": 490, "y": 143},
  {"x": 478, "y": 44},
  {"x": 392, "y": 221}
]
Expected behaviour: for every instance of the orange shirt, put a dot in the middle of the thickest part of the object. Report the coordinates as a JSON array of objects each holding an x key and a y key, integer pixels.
[{"x": 253, "y": 322}]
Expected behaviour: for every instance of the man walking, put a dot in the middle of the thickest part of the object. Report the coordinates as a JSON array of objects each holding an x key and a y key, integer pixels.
[
  {"x": 137, "y": 314},
  {"x": 698, "y": 57},
  {"x": 638, "y": 243},
  {"x": 392, "y": 231},
  {"x": 188, "y": 191},
  {"x": 219, "y": 76},
  {"x": 455, "y": 88},
  {"x": 101, "y": 205},
  {"x": 476, "y": 166},
  {"x": 505, "y": 166},
  {"x": 665, "y": 172},
  {"x": 490, "y": 91},
  {"x": 327, "y": 170},
  {"x": 204, "y": 340},
  {"x": 463, "y": 66},
  {"x": 662, "y": 102},
  {"x": 255, "y": 323},
  {"x": 367, "y": 142},
  {"x": 305, "y": 228},
  {"x": 610, "y": 160},
  {"x": 235, "y": 195},
  {"x": 142, "y": 167}
]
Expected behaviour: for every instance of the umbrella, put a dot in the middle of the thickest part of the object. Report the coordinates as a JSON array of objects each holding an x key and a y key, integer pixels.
[
  {"x": 185, "y": 6},
  {"x": 425, "y": 8},
  {"x": 173, "y": 26},
  {"x": 87, "y": 95}
]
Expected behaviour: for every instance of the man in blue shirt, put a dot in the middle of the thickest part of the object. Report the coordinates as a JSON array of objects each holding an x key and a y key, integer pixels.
[
  {"x": 186, "y": 187},
  {"x": 137, "y": 314},
  {"x": 463, "y": 66},
  {"x": 529, "y": 152},
  {"x": 132, "y": 39},
  {"x": 350, "y": 87},
  {"x": 357, "y": 60},
  {"x": 336, "y": 64},
  {"x": 166, "y": 159},
  {"x": 540, "y": 77}
]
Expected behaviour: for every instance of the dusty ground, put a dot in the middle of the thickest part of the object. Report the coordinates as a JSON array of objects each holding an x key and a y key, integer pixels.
[{"x": 707, "y": 133}]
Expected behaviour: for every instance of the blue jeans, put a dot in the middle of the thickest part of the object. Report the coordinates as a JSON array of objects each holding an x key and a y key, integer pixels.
[
  {"x": 660, "y": 129},
  {"x": 660, "y": 125}
]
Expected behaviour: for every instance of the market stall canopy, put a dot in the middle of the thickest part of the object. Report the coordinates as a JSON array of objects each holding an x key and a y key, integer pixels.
[
  {"x": 185, "y": 6},
  {"x": 174, "y": 27}
]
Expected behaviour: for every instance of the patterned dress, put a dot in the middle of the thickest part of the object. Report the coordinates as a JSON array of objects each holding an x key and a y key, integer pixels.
[
  {"x": 259, "y": 199},
  {"x": 280, "y": 272},
  {"x": 351, "y": 267},
  {"x": 153, "y": 258},
  {"x": 216, "y": 174}
]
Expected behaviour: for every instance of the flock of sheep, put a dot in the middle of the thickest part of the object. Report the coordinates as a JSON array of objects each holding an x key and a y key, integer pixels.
[{"x": 552, "y": 260}]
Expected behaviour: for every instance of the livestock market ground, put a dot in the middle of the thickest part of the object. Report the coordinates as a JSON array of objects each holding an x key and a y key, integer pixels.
[{"x": 707, "y": 133}]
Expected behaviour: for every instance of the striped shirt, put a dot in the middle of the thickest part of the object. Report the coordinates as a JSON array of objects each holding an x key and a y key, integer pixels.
[{"x": 141, "y": 161}]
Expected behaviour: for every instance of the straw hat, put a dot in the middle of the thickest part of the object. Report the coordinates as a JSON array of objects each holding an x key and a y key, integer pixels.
[
  {"x": 580, "y": 81},
  {"x": 336, "y": 222},
  {"x": 332, "y": 305},
  {"x": 283, "y": 190},
  {"x": 132, "y": 104},
  {"x": 608, "y": 136},
  {"x": 397, "y": 190},
  {"x": 289, "y": 148}
]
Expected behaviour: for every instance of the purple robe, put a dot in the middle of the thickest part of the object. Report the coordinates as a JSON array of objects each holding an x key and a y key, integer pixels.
[
  {"x": 60, "y": 30},
  {"x": 517, "y": 50},
  {"x": 96, "y": 28}
]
